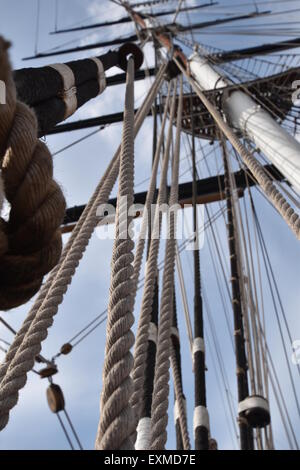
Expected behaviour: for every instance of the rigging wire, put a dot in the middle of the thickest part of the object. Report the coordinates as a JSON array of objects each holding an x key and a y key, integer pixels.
[
  {"x": 37, "y": 30},
  {"x": 78, "y": 141},
  {"x": 230, "y": 419},
  {"x": 72, "y": 428},
  {"x": 205, "y": 299},
  {"x": 56, "y": 15},
  {"x": 266, "y": 345},
  {"x": 65, "y": 431}
]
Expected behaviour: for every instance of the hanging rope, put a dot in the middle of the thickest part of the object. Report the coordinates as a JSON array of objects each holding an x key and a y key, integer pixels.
[
  {"x": 275, "y": 196},
  {"x": 145, "y": 345},
  {"x": 30, "y": 241},
  {"x": 140, "y": 351},
  {"x": 117, "y": 417},
  {"x": 143, "y": 428},
  {"x": 159, "y": 413},
  {"x": 21, "y": 355}
]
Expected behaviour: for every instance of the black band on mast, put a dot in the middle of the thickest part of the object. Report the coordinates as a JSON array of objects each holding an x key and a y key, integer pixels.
[{"x": 48, "y": 96}]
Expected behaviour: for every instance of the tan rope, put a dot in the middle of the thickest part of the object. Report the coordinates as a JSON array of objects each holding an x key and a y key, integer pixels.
[
  {"x": 159, "y": 411},
  {"x": 276, "y": 197},
  {"x": 117, "y": 417},
  {"x": 140, "y": 351},
  {"x": 34, "y": 329},
  {"x": 30, "y": 241}
]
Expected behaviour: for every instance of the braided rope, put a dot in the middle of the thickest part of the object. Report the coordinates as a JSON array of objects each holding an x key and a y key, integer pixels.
[
  {"x": 141, "y": 342},
  {"x": 30, "y": 242},
  {"x": 275, "y": 196},
  {"x": 34, "y": 329},
  {"x": 159, "y": 411},
  {"x": 180, "y": 401},
  {"x": 117, "y": 417}
]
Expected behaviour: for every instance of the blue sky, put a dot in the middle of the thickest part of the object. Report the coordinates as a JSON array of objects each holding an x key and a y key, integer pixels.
[{"x": 78, "y": 171}]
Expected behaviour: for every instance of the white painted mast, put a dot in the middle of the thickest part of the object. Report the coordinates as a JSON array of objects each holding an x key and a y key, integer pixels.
[{"x": 281, "y": 148}]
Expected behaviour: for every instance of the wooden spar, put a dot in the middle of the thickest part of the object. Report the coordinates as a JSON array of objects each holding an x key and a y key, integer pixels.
[
  {"x": 264, "y": 49},
  {"x": 205, "y": 24},
  {"x": 59, "y": 85},
  {"x": 171, "y": 28},
  {"x": 50, "y": 89},
  {"x": 127, "y": 19},
  {"x": 208, "y": 190},
  {"x": 113, "y": 42}
]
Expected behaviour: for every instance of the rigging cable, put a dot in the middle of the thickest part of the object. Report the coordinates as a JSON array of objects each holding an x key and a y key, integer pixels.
[{"x": 37, "y": 30}]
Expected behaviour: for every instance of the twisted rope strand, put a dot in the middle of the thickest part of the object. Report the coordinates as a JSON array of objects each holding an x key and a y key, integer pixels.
[
  {"x": 140, "y": 351},
  {"x": 159, "y": 411},
  {"x": 117, "y": 417}
]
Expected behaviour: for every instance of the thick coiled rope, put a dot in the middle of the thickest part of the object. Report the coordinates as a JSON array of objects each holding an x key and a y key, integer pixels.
[
  {"x": 117, "y": 417},
  {"x": 30, "y": 241},
  {"x": 160, "y": 403},
  {"x": 141, "y": 343},
  {"x": 20, "y": 357},
  {"x": 274, "y": 195}
]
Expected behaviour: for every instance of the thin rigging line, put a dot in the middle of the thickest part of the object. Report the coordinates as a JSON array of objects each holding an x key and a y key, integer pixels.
[
  {"x": 65, "y": 431},
  {"x": 37, "y": 31},
  {"x": 73, "y": 429}
]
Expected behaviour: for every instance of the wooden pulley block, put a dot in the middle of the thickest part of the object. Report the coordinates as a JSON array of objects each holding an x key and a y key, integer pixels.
[
  {"x": 55, "y": 398},
  {"x": 48, "y": 371},
  {"x": 66, "y": 349}
]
